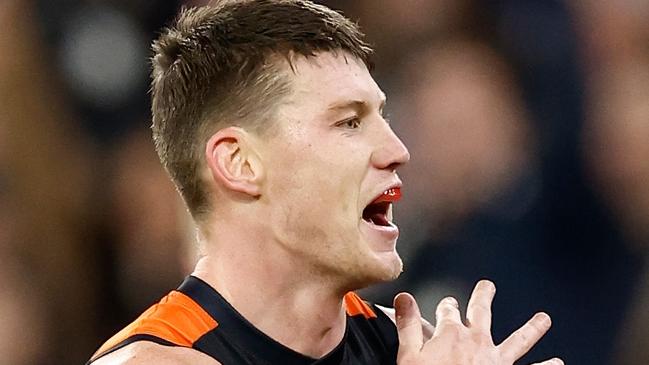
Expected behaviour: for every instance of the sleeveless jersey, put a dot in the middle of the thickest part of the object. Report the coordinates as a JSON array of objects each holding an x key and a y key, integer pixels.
[{"x": 197, "y": 316}]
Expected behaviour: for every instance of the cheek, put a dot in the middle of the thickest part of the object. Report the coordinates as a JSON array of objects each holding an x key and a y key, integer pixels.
[
  {"x": 317, "y": 186},
  {"x": 316, "y": 210},
  {"x": 314, "y": 177}
]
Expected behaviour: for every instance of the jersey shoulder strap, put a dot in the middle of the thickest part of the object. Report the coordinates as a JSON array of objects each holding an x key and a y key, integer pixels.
[{"x": 177, "y": 320}]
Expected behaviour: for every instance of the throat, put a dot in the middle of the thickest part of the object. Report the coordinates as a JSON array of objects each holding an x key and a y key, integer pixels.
[
  {"x": 314, "y": 337},
  {"x": 300, "y": 313}
]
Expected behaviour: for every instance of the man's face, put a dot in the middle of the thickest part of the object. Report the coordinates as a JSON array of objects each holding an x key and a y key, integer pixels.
[{"x": 332, "y": 155}]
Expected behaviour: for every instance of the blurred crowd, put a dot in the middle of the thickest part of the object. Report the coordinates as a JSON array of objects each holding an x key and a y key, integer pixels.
[{"x": 527, "y": 122}]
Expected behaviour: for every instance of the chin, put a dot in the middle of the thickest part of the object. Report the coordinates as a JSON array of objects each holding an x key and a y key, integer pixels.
[
  {"x": 393, "y": 267},
  {"x": 388, "y": 263},
  {"x": 384, "y": 267}
]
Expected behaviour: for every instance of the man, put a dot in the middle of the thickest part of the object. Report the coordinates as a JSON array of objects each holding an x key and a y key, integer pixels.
[{"x": 267, "y": 119}]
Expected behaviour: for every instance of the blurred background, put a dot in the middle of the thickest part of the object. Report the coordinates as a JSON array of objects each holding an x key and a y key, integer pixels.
[{"x": 527, "y": 121}]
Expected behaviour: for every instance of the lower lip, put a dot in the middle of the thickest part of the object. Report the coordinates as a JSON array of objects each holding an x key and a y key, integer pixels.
[{"x": 387, "y": 234}]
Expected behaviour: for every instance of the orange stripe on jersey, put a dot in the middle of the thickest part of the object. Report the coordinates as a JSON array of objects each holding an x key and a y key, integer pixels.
[
  {"x": 356, "y": 306},
  {"x": 176, "y": 318}
]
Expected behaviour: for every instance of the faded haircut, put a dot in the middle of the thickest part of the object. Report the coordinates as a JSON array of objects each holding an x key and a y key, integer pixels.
[{"x": 225, "y": 65}]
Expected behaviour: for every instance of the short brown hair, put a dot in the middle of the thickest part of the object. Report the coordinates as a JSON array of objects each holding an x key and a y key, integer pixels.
[{"x": 221, "y": 65}]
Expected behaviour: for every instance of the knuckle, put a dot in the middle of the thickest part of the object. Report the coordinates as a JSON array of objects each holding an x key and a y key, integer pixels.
[
  {"x": 445, "y": 310},
  {"x": 534, "y": 328},
  {"x": 524, "y": 339},
  {"x": 481, "y": 307},
  {"x": 446, "y": 314},
  {"x": 406, "y": 323},
  {"x": 539, "y": 327},
  {"x": 481, "y": 338}
]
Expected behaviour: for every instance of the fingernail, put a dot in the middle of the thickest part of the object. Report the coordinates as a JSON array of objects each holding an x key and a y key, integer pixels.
[
  {"x": 402, "y": 303},
  {"x": 452, "y": 301},
  {"x": 488, "y": 284}
]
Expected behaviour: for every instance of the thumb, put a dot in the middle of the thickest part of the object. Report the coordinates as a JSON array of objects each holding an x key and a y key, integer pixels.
[{"x": 408, "y": 320}]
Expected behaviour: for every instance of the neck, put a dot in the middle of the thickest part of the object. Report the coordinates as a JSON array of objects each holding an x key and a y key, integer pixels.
[{"x": 279, "y": 298}]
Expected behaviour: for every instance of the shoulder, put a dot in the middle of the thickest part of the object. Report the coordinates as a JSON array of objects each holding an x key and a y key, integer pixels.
[
  {"x": 176, "y": 320},
  {"x": 145, "y": 352}
]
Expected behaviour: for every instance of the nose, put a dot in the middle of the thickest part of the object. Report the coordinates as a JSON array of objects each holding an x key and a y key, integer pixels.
[{"x": 390, "y": 152}]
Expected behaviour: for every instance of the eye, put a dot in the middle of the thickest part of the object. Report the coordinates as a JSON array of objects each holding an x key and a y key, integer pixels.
[{"x": 351, "y": 123}]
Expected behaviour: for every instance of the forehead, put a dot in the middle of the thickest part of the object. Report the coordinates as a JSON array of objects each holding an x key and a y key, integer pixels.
[{"x": 331, "y": 78}]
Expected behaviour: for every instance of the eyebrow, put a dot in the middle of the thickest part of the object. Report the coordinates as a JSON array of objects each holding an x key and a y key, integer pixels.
[{"x": 357, "y": 105}]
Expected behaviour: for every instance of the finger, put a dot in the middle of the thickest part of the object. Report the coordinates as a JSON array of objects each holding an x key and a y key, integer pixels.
[
  {"x": 408, "y": 321},
  {"x": 555, "y": 361},
  {"x": 447, "y": 314},
  {"x": 522, "y": 340},
  {"x": 478, "y": 311},
  {"x": 427, "y": 328}
]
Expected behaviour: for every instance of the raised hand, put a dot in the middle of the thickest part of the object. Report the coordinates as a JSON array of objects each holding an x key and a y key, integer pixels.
[{"x": 454, "y": 342}]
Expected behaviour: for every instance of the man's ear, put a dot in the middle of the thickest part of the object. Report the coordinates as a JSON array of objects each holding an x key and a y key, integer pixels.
[{"x": 233, "y": 161}]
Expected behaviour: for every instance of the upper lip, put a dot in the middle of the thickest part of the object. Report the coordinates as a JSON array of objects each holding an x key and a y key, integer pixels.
[{"x": 394, "y": 184}]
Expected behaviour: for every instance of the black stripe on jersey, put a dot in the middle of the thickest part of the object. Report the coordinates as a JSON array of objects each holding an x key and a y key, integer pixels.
[{"x": 129, "y": 341}]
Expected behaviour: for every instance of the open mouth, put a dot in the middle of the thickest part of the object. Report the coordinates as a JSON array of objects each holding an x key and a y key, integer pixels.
[{"x": 379, "y": 211}]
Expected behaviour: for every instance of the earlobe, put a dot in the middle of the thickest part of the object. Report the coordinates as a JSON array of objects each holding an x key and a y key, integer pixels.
[{"x": 233, "y": 162}]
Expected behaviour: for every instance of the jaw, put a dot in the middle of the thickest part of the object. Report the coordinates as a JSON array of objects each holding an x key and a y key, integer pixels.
[
  {"x": 384, "y": 267},
  {"x": 380, "y": 242},
  {"x": 374, "y": 268}
]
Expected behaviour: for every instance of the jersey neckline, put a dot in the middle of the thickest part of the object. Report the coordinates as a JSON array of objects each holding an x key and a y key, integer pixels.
[{"x": 246, "y": 334}]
